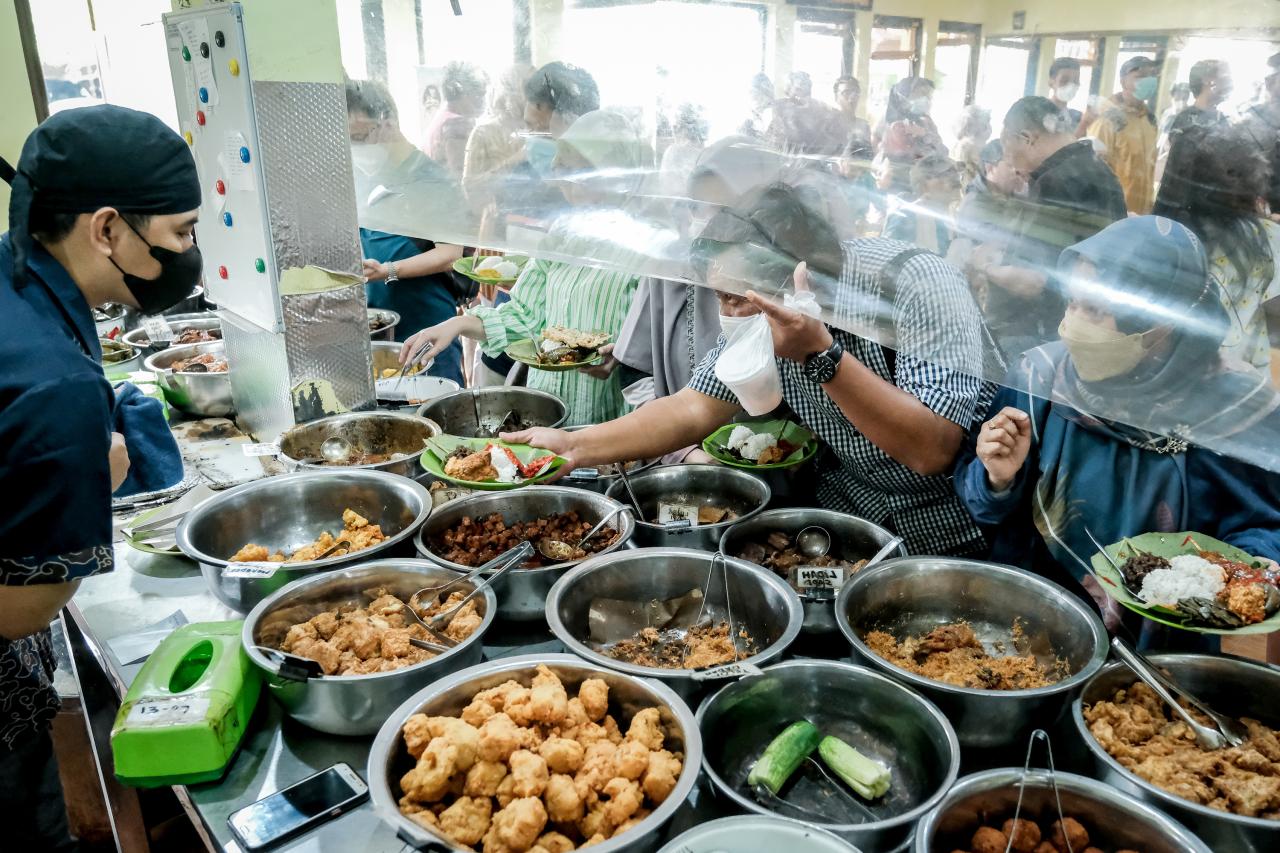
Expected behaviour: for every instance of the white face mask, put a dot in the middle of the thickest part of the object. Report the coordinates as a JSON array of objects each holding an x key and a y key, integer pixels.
[
  {"x": 1068, "y": 92},
  {"x": 730, "y": 325},
  {"x": 370, "y": 158}
]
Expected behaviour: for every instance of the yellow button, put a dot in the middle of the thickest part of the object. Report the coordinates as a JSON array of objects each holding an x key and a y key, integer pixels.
[
  {"x": 186, "y": 134},
  {"x": 234, "y": 65}
]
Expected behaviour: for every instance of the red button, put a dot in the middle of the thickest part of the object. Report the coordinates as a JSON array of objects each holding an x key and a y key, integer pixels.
[
  {"x": 199, "y": 117},
  {"x": 220, "y": 187},
  {"x": 222, "y": 272}
]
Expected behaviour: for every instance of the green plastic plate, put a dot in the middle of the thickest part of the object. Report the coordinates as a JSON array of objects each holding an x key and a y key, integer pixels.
[
  {"x": 716, "y": 444},
  {"x": 466, "y": 266},
  {"x": 439, "y": 448},
  {"x": 523, "y": 352}
]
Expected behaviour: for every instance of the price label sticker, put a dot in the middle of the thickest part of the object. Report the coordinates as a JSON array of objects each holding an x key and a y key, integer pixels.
[
  {"x": 168, "y": 710},
  {"x": 157, "y": 329},
  {"x": 818, "y": 577},
  {"x": 729, "y": 670},
  {"x": 678, "y": 515},
  {"x": 584, "y": 474},
  {"x": 249, "y": 570},
  {"x": 265, "y": 449}
]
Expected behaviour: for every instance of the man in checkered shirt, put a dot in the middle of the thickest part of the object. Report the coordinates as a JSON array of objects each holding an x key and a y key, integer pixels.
[{"x": 892, "y": 422}]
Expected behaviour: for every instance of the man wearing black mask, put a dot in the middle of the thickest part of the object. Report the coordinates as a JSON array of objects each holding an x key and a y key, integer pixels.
[{"x": 103, "y": 206}]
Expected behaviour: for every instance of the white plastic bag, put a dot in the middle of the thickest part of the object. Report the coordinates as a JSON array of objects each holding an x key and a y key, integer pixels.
[{"x": 747, "y": 367}]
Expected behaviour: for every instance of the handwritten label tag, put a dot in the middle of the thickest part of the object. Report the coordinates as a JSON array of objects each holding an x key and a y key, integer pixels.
[
  {"x": 265, "y": 449},
  {"x": 817, "y": 577},
  {"x": 168, "y": 710},
  {"x": 678, "y": 515},
  {"x": 729, "y": 670},
  {"x": 157, "y": 329},
  {"x": 584, "y": 474},
  {"x": 250, "y": 570}
]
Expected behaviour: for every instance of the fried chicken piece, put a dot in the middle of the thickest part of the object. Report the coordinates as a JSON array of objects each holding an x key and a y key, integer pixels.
[
  {"x": 464, "y": 737},
  {"x": 549, "y": 703},
  {"x": 528, "y": 773},
  {"x": 562, "y": 755},
  {"x": 352, "y": 520},
  {"x": 298, "y": 633},
  {"x": 597, "y": 767},
  {"x": 770, "y": 455},
  {"x": 395, "y": 643},
  {"x": 593, "y": 694},
  {"x": 467, "y": 820},
  {"x": 478, "y": 712},
  {"x": 646, "y": 728},
  {"x": 499, "y": 696},
  {"x": 358, "y": 635},
  {"x": 484, "y": 777},
  {"x": 631, "y": 760},
  {"x": 947, "y": 638},
  {"x": 589, "y": 733},
  {"x": 504, "y": 795},
  {"x": 576, "y": 714},
  {"x": 427, "y": 820},
  {"x": 475, "y": 468},
  {"x": 464, "y": 623},
  {"x": 661, "y": 776},
  {"x": 251, "y": 553},
  {"x": 499, "y": 737},
  {"x": 593, "y": 824},
  {"x": 611, "y": 730},
  {"x": 516, "y": 828},
  {"x": 317, "y": 650},
  {"x": 519, "y": 707},
  {"x": 598, "y": 838},
  {"x": 385, "y": 605},
  {"x": 564, "y": 804},
  {"x": 325, "y": 624},
  {"x": 429, "y": 780},
  {"x": 1247, "y": 600},
  {"x": 554, "y": 842},
  {"x": 417, "y": 734},
  {"x": 632, "y": 821},
  {"x": 625, "y": 799}
]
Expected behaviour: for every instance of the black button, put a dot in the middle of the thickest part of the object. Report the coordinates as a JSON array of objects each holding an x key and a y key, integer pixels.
[
  {"x": 204, "y": 49},
  {"x": 219, "y": 39}
]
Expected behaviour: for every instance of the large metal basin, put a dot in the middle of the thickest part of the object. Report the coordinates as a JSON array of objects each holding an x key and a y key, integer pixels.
[
  {"x": 290, "y": 511},
  {"x": 912, "y": 595},
  {"x": 876, "y": 715},
  {"x": 457, "y": 413},
  {"x": 852, "y": 538},
  {"x": 761, "y": 602},
  {"x": 178, "y": 323},
  {"x": 389, "y": 760},
  {"x": 1114, "y": 821},
  {"x": 355, "y": 704},
  {"x": 204, "y": 395},
  {"x": 366, "y": 432},
  {"x": 522, "y": 593},
  {"x": 1230, "y": 685},
  {"x": 386, "y": 321},
  {"x": 701, "y": 485}
]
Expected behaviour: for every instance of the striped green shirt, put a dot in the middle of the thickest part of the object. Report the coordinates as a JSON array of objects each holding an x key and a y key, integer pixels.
[{"x": 550, "y": 293}]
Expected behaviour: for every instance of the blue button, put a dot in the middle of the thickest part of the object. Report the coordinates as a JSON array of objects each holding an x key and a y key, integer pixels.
[
  {"x": 204, "y": 95},
  {"x": 226, "y": 219},
  {"x": 244, "y": 154}
]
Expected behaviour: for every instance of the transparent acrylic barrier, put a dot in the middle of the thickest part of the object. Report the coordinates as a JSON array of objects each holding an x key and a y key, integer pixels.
[{"x": 1162, "y": 341}]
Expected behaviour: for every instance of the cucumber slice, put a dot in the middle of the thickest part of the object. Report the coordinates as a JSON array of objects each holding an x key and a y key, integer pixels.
[
  {"x": 783, "y": 755},
  {"x": 867, "y": 777}
]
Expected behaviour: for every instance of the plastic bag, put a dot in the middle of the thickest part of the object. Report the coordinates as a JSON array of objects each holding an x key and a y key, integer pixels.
[{"x": 747, "y": 367}]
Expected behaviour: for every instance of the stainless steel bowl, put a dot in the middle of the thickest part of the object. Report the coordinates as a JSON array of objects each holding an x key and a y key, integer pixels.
[
  {"x": 456, "y": 413},
  {"x": 203, "y": 320},
  {"x": 127, "y": 356},
  {"x": 1114, "y": 821},
  {"x": 852, "y": 538},
  {"x": 387, "y": 319},
  {"x": 599, "y": 479},
  {"x": 912, "y": 595},
  {"x": 757, "y": 832},
  {"x": 366, "y": 432},
  {"x": 713, "y": 485},
  {"x": 389, "y": 760},
  {"x": 386, "y": 355},
  {"x": 354, "y": 704},
  {"x": 204, "y": 395},
  {"x": 290, "y": 511},
  {"x": 113, "y": 316},
  {"x": 1231, "y": 685},
  {"x": 762, "y": 603},
  {"x": 522, "y": 593},
  {"x": 876, "y": 715}
]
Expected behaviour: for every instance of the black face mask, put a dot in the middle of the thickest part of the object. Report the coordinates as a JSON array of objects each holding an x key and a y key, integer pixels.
[{"x": 179, "y": 275}]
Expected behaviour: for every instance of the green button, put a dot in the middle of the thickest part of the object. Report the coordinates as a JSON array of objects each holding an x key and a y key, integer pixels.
[
  {"x": 186, "y": 54},
  {"x": 260, "y": 265}
]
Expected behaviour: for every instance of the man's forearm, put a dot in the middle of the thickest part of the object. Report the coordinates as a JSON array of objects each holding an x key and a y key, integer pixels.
[
  {"x": 437, "y": 260},
  {"x": 661, "y": 426},
  {"x": 1020, "y": 281},
  {"x": 894, "y": 420}
]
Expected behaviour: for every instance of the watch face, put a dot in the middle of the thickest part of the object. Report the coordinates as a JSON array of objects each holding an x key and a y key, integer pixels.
[{"x": 820, "y": 368}]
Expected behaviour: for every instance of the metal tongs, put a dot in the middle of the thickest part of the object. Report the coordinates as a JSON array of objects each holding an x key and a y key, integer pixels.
[
  {"x": 495, "y": 568},
  {"x": 1225, "y": 731},
  {"x": 717, "y": 557},
  {"x": 154, "y": 530},
  {"x": 411, "y": 362},
  {"x": 1039, "y": 735}
]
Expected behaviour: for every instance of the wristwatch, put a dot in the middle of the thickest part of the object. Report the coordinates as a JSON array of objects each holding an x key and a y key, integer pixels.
[
  {"x": 392, "y": 274},
  {"x": 821, "y": 367}
]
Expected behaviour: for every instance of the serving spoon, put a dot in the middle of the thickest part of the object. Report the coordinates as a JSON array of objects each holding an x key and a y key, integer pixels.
[{"x": 559, "y": 552}]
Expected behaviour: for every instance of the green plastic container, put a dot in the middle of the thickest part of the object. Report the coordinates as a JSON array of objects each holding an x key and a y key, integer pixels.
[{"x": 186, "y": 712}]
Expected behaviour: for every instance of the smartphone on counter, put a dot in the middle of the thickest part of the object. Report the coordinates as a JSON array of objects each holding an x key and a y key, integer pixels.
[{"x": 293, "y": 810}]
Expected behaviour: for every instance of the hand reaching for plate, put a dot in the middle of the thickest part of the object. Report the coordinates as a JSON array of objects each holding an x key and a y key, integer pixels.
[{"x": 605, "y": 368}]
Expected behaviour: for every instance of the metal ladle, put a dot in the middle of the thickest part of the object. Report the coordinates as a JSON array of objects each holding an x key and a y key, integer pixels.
[
  {"x": 813, "y": 542},
  {"x": 560, "y": 552},
  {"x": 335, "y": 450}
]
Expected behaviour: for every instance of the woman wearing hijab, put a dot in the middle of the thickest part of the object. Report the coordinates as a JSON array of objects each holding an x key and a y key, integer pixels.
[
  {"x": 1141, "y": 336},
  {"x": 102, "y": 209},
  {"x": 600, "y": 158},
  {"x": 908, "y": 134}
]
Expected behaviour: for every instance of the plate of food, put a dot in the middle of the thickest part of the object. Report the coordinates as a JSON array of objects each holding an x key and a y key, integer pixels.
[
  {"x": 486, "y": 464},
  {"x": 493, "y": 269},
  {"x": 761, "y": 445},
  {"x": 559, "y": 348},
  {"x": 1193, "y": 582}
]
